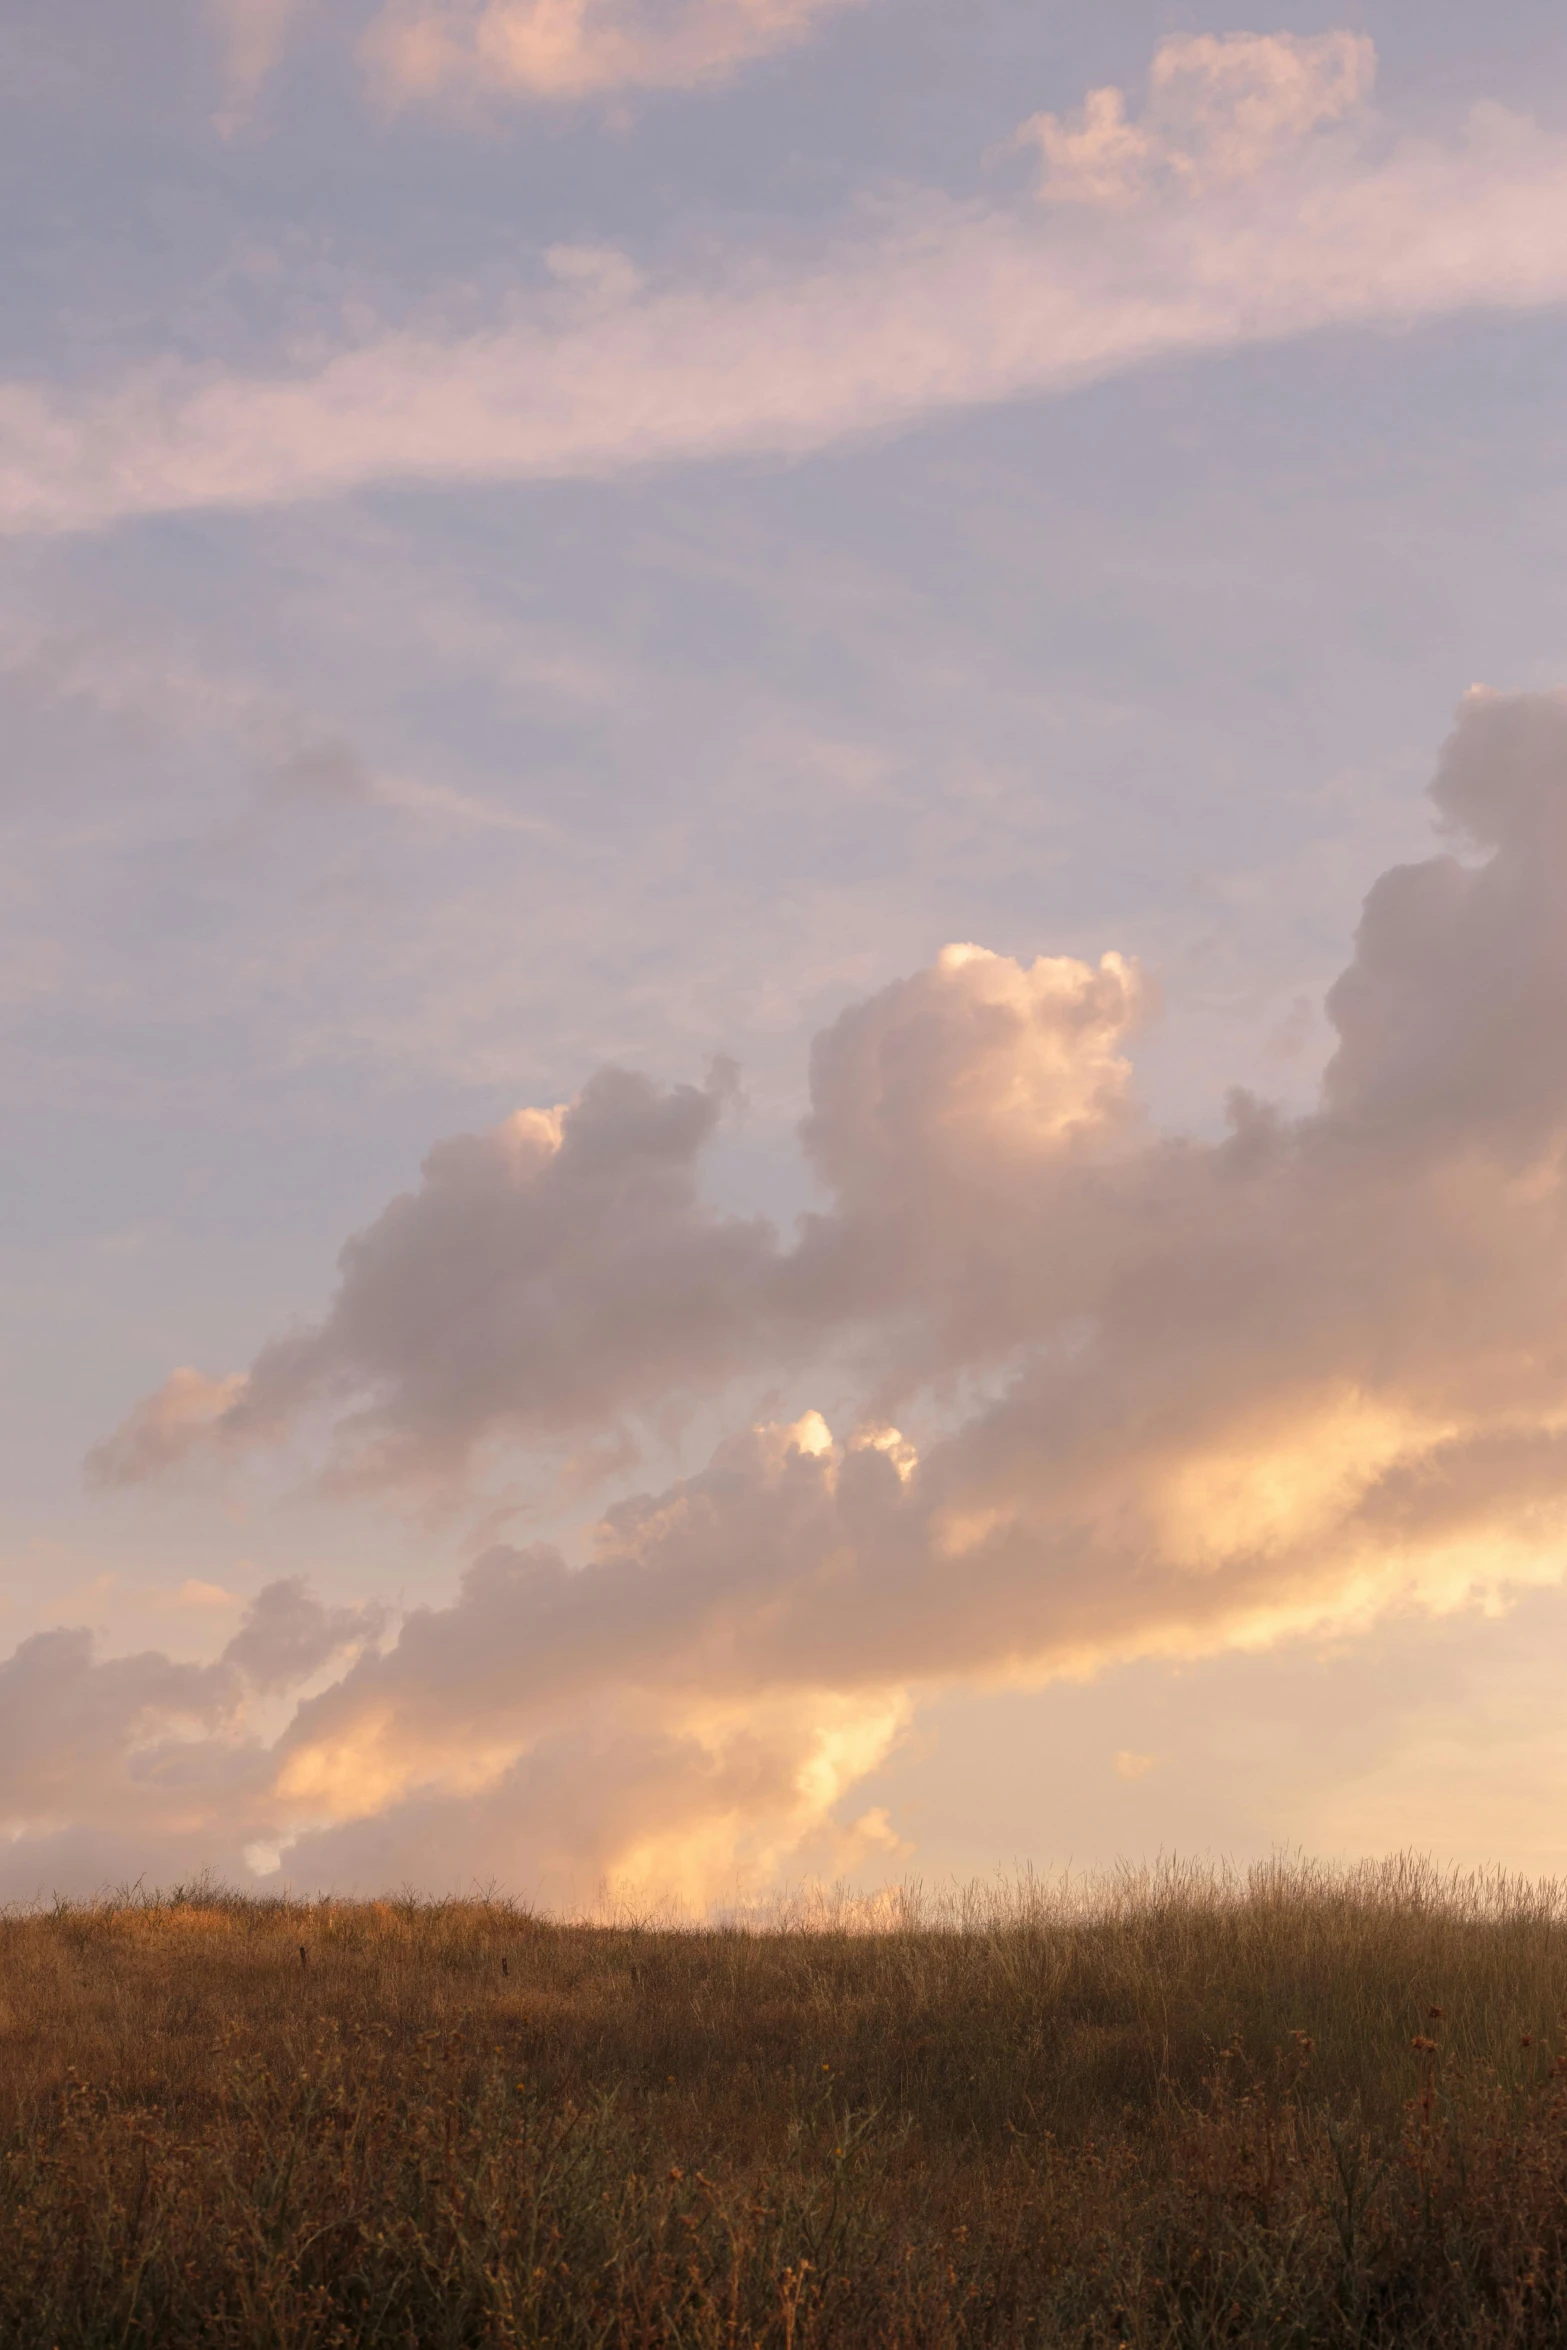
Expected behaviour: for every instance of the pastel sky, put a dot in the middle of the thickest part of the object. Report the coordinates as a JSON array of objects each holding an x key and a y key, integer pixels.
[{"x": 783, "y": 939}]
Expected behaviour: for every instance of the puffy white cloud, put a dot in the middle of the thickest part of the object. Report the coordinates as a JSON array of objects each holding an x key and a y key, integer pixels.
[
  {"x": 1303, "y": 1375},
  {"x": 1225, "y": 216},
  {"x": 969, "y": 1072},
  {"x": 566, "y": 49}
]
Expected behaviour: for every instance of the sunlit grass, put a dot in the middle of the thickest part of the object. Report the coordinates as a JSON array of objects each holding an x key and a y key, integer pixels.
[{"x": 1170, "y": 2107}]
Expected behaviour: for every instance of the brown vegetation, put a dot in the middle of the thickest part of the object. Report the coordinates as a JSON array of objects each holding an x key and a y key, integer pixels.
[{"x": 1293, "y": 2109}]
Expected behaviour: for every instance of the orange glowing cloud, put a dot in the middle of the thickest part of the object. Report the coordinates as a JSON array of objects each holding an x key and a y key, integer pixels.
[{"x": 1165, "y": 1397}]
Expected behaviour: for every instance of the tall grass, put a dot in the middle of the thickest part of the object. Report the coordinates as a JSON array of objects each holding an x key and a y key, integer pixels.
[{"x": 1178, "y": 2106}]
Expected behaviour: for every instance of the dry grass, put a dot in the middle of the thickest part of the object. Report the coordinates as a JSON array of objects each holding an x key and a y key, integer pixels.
[{"x": 1172, "y": 2109}]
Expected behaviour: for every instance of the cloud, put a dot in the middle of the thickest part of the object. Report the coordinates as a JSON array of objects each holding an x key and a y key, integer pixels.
[
  {"x": 1160, "y": 1397},
  {"x": 163, "y": 1428},
  {"x": 288, "y": 1635},
  {"x": 561, "y": 1277},
  {"x": 561, "y": 51},
  {"x": 1237, "y": 214},
  {"x": 545, "y": 1279},
  {"x": 1220, "y": 109},
  {"x": 253, "y": 34},
  {"x": 137, "y": 1755},
  {"x": 142, "y": 1767},
  {"x": 573, "y": 49}
]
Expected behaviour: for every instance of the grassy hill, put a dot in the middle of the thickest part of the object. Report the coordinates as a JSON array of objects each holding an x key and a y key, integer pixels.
[{"x": 1177, "y": 2108}]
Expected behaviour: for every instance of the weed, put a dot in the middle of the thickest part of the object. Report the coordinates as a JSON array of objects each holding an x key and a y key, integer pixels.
[{"x": 1290, "y": 2109}]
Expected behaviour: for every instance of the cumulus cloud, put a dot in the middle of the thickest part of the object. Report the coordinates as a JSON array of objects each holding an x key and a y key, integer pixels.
[
  {"x": 567, "y": 49},
  {"x": 109, "y": 1766},
  {"x": 1255, "y": 198},
  {"x": 546, "y": 1278},
  {"x": 1158, "y": 1396},
  {"x": 561, "y": 1277},
  {"x": 288, "y": 1635}
]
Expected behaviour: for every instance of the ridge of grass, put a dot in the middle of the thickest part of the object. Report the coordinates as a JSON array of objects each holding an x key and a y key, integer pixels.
[{"x": 1179, "y": 2106}]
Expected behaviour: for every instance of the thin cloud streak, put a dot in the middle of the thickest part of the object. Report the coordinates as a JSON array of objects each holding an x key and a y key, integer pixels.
[
  {"x": 564, "y": 50},
  {"x": 941, "y": 307}
]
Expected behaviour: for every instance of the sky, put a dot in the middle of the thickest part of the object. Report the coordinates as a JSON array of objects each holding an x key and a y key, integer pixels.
[{"x": 783, "y": 941}]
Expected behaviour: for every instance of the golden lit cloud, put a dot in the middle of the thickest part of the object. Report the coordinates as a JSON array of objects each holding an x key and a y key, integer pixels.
[{"x": 1170, "y": 1396}]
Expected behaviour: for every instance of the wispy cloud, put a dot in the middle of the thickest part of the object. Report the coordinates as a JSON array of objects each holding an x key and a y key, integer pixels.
[
  {"x": 253, "y": 34},
  {"x": 1159, "y": 1397},
  {"x": 568, "y": 49},
  {"x": 1221, "y": 109},
  {"x": 163, "y": 1428},
  {"x": 1256, "y": 200}
]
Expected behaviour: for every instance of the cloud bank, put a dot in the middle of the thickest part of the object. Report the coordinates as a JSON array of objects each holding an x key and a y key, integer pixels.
[
  {"x": 1121, "y": 1393},
  {"x": 1255, "y": 197}
]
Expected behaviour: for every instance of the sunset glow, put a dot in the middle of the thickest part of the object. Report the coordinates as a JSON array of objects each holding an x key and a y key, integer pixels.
[{"x": 786, "y": 1050}]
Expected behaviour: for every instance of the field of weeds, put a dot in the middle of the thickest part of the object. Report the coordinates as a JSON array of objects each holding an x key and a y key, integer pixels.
[{"x": 1177, "y": 2108}]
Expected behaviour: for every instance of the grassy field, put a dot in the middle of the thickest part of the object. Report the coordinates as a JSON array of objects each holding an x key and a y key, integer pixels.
[{"x": 1292, "y": 2108}]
